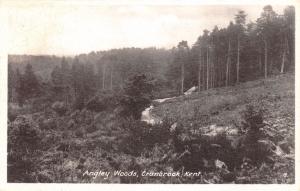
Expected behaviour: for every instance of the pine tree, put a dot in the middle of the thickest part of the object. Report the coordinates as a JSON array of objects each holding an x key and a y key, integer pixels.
[
  {"x": 240, "y": 20},
  {"x": 183, "y": 50},
  {"x": 138, "y": 94},
  {"x": 266, "y": 31},
  {"x": 11, "y": 82},
  {"x": 19, "y": 88},
  {"x": 31, "y": 87}
]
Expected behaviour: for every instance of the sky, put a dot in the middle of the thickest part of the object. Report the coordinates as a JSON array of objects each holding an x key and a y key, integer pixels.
[{"x": 53, "y": 27}]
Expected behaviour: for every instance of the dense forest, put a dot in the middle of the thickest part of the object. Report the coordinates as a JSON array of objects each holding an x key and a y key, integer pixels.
[
  {"x": 60, "y": 99},
  {"x": 221, "y": 57}
]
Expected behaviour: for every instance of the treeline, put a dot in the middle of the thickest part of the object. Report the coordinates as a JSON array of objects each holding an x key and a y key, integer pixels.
[
  {"x": 76, "y": 80},
  {"x": 221, "y": 57},
  {"x": 241, "y": 52}
]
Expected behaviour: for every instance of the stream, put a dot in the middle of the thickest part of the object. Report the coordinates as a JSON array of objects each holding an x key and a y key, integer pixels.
[{"x": 147, "y": 115}]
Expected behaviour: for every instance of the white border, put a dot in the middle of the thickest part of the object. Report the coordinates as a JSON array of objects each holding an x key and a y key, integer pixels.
[{"x": 4, "y": 31}]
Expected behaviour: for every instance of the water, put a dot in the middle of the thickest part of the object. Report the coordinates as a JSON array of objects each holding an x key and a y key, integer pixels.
[{"x": 148, "y": 117}]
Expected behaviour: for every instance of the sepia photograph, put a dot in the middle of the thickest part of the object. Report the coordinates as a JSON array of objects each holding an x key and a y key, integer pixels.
[{"x": 114, "y": 93}]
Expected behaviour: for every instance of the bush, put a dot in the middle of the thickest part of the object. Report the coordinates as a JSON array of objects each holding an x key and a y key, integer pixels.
[
  {"x": 139, "y": 136},
  {"x": 79, "y": 133},
  {"x": 47, "y": 124},
  {"x": 138, "y": 95},
  {"x": 96, "y": 104},
  {"x": 60, "y": 108},
  {"x": 12, "y": 115},
  {"x": 23, "y": 146},
  {"x": 14, "y": 111},
  {"x": 255, "y": 145}
]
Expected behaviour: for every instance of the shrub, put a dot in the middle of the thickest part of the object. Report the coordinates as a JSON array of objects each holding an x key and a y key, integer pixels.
[
  {"x": 59, "y": 107},
  {"x": 254, "y": 145},
  {"x": 23, "y": 146},
  {"x": 91, "y": 128},
  {"x": 47, "y": 124},
  {"x": 12, "y": 115},
  {"x": 139, "y": 136},
  {"x": 137, "y": 96},
  {"x": 103, "y": 101},
  {"x": 38, "y": 104},
  {"x": 80, "y": 133}
]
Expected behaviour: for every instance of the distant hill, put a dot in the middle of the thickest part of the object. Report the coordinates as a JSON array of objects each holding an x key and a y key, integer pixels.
[{"x": 42, "y": 65}]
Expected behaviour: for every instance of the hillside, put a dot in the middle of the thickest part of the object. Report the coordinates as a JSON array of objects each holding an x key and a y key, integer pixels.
[
  {"x": 204, "y": 133},
  {"x": 222, "y": 108}
]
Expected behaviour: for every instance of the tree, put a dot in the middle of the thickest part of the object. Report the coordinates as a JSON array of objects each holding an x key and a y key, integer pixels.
[
  {"x": 266, "y": 30},
  {"x": 66, "y": 72},
  {"x": 23, "y": 141},
  {"x": 204, "y": 46},
  {"x": 240, "y": 20},
  {"x": 289, "y": 14},
  {"x": 103, "y": 76},
  {"x": 198, "y": 54},
  {"x": 199, "y": 70},
  {"x": 27, "y": 85},
  {"x": 138, "y": 94},
  {"x": 111, "y": 78},
  {"x": 228, "y": 63},
  {"x": 11, "y": 83},
  {"x": 31, "y": 87},
  {"x": 207, "y": 65},
  {"x": 78, "y": 84},
  {"x": 284, "y": 42},
  {"x": 57, "y": 76},
  {"x": 220, "y": 52},
  {"x": 66, "y": 80},
  {"x": 288, "y": 38},
  {"x": 19, "y": 88},
  {"x": 214, "y": 56},
  {"x": 182, "y": 59}
]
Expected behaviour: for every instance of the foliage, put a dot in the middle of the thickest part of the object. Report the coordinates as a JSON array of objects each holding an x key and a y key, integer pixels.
[
  {"x": 62, "y": 148},
  {"x": 103, "y": 101},
  {"x": 140, "y": 136},
  {"x": 137, "y": 96},
  {"x": 59, "y": 108},
  {"x": 23, "y": 146}
]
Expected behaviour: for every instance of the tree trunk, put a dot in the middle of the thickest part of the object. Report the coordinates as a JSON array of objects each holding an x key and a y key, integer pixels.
[
  {"x": 217, "y": 74},
  {"x": 182, "y": 77},
  {"x": 212, "y": 69},
  {"x": 282, "y": 63},
  {"x": 212, "y": 73},
  {"x": 224, "y": 72},
  {"x": 283, "y": 57},
  {"x": 207, "y": 68},
  {"x": 103, "y": 77},
  {"x": 66, "y": 94},
  {"x": 238, "y": 61},
  {"x": 111, "y": 77},
  {"x": 199, "y": 71},
  {"x": 227, "y": 65},
  {"x": 203, "y": 72},
  {"x": 222, "y": 69},
  {"x": 271, "y": 65},
  {"x": 259, "y": 64},
  {"x": 266, "y": 58},
  {"x": 121, "y": 84}
]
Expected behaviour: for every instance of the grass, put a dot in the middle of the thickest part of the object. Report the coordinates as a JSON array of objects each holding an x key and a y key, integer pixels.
[{"x": 223, "y": 105}]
